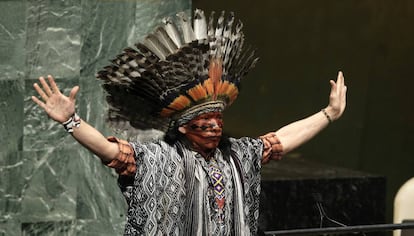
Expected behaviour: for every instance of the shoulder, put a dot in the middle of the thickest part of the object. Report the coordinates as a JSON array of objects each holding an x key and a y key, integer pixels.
[
  {"x": 152, "y": 147},
  {"x": 247, "y": 147},
  {"x": 248, "y": 152},
  {"x": 246, "y": 142}
]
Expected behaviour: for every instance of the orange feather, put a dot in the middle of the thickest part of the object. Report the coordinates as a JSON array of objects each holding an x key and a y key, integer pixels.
[
  {"x": 198, "y": 93},
  {"x": 215, "y": 72},
  {"x": 179, "y": 104},
  {"x": 208, "y": 84}
]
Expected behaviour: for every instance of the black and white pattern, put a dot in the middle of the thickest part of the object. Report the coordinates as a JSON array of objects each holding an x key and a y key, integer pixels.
[
  {"x": 171, "y": 194},
  {"x": 142, "y": 82}
]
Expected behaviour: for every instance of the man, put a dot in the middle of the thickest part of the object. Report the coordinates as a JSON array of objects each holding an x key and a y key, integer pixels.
[{"x": 195, "y": 181}]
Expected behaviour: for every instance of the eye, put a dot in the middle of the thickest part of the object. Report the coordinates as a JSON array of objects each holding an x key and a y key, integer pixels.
[{"x": 217, "y": 116}]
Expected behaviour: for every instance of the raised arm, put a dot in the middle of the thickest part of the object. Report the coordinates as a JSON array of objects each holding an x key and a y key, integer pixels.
[
  {"x": 61, "y": 108},
  {"x": 295, "y": 134}
]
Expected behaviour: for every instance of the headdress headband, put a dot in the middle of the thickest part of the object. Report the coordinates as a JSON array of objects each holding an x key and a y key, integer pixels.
[{"x": 178, "y": 72}]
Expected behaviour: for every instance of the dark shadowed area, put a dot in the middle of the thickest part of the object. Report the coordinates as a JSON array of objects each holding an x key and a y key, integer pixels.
[{"x": 302, "y": 44}]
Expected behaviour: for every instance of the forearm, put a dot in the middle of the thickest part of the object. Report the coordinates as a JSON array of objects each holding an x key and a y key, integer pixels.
[
  {"x": 93, "y": 140},
  {"x": 297, "y": 133}
]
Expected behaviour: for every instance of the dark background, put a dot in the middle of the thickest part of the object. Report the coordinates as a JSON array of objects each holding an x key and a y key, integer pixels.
[{"x": 302, "y": 44}]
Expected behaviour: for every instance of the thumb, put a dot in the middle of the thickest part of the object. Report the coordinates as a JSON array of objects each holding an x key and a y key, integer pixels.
[
  {"x": 73, "y": 93},
  {"x": 333, "y": 87}
]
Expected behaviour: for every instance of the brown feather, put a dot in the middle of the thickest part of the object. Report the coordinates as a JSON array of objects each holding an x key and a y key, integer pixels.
[{"x": 214, "y": 72}]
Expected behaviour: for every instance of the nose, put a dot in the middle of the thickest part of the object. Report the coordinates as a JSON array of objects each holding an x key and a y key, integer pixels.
[{"x": 215, "y": 124}]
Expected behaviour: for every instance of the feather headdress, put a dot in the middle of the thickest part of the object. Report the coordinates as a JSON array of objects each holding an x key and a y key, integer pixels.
[{"x": 183, "y": 69}]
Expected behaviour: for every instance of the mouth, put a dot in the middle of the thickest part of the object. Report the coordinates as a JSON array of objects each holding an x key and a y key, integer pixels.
[
  {"x": 214, "y": 138},
  {"x": 212, "y": 141}
]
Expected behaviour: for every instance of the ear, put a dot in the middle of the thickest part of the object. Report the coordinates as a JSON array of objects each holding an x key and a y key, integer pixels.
[{"x": 182, "y": 129}]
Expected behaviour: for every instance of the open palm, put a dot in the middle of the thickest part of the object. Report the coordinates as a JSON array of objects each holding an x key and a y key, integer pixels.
[
  {"x": 337, "y": 97},
  {"x": 57, "y": 106}
]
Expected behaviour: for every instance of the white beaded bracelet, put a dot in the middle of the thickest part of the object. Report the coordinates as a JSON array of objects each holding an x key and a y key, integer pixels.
[{"x": 74, "y": 121}]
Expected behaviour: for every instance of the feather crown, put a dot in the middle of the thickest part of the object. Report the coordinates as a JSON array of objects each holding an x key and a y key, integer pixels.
[{"x": 181, "y": 70}]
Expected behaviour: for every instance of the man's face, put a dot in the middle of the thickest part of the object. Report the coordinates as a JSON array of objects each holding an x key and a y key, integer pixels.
[{"x": 204, "y": 131}]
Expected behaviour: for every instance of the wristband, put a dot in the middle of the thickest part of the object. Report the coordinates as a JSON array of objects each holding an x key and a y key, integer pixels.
[
  {"x": 327, "y": 115},
  {"x": 74, "y": 121}
]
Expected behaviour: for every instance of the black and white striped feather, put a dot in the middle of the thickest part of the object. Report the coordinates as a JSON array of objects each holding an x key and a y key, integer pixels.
[{"x": 141, "y": 81}]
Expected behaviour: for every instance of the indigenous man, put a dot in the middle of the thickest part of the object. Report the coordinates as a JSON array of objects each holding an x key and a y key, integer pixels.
[{"x": 195, "y": 181}]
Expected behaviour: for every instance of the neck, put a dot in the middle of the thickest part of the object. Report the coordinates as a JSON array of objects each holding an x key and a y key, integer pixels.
[{"x": 207, "y": 154}]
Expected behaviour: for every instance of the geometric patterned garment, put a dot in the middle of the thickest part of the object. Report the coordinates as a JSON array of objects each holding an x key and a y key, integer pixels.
[
  {"x": 217, "y": 187},
  {"x": 173, "y": 192}
]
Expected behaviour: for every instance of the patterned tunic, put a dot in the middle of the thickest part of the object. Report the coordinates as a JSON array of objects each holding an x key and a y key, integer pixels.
[{"x": 171, "y": 192}]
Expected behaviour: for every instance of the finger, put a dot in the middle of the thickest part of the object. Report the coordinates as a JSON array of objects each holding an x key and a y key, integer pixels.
[
  {"x": 340, "y": 74},
  {"x": 45, "y": 86},
  {"x": 73, "y": 93},
  {"x": 333, "y": 87},
  {"x": 342, "y": 78},
  {"x": 40, "y": 92},
  {"x": 343, "y": 87},
  {"x": 344, "y": 94},
  {"x": 52, "y": 82},
  {"x": 38, "y": 102},
  {"x": 266, "y": 144},
  {"x": 340, "y": 82}
]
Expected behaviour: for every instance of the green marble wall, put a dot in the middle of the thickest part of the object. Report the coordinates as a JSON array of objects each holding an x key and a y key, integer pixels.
[{"x": 50, "y": 185}]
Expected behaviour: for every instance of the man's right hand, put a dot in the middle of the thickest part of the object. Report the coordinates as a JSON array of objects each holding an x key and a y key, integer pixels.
[
  {"x": 60, "y": 108},
  {"x": 57, "y": 106}
]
